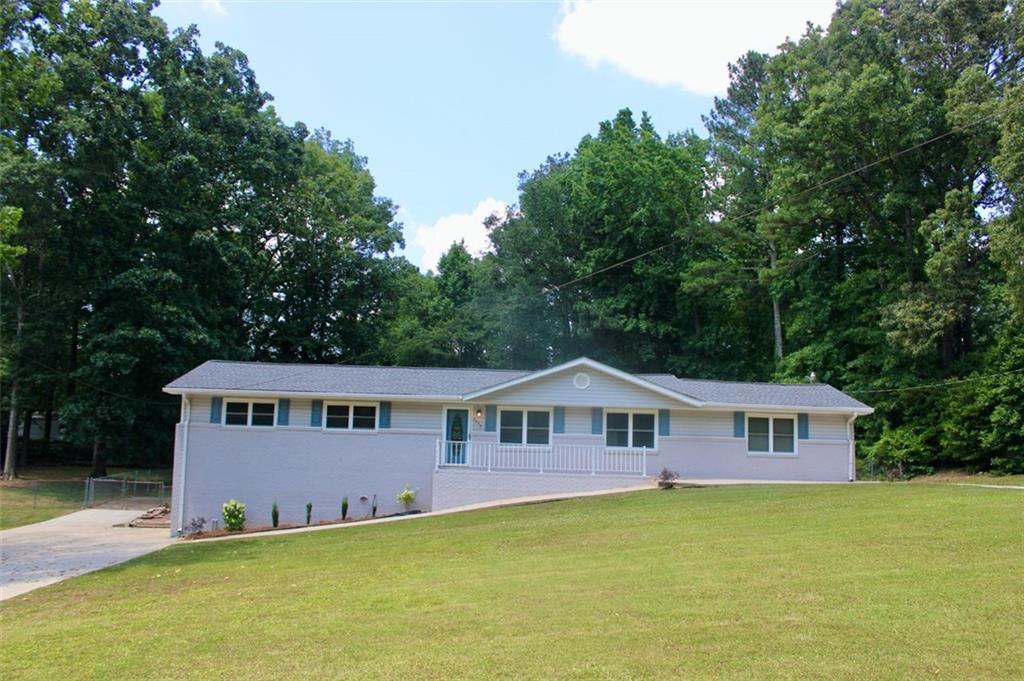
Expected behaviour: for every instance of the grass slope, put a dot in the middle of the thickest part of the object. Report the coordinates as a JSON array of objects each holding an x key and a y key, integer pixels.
[{"x": 872, "y": 581}]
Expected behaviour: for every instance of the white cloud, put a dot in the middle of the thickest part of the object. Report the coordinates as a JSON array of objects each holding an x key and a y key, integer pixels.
[
  {"x": 214, "y": 7},
  {"x": 687, "y": 44},
  {"x": 435, "y": 239}
]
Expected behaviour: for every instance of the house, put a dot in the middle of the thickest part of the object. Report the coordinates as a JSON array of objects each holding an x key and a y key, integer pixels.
[{"x": 298, "y": 433}]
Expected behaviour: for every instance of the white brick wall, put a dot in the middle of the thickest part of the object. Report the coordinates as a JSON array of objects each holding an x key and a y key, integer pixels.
[{"x": 454, "y": 487}]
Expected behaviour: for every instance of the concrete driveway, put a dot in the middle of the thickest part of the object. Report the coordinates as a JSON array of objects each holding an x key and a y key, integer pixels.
[{"x": 44, "y": 553}]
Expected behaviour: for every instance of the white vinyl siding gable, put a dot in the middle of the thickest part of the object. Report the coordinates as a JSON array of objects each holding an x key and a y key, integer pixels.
[{"x": 558, "y": 389}]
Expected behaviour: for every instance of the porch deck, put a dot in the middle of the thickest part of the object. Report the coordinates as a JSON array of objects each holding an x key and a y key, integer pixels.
[{"x": 558, "y": 458}]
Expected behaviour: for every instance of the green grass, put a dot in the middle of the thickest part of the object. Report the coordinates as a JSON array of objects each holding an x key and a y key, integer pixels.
[
  {"x": 837, "y": 582},
  {"x": 972, "y": 478},
  {"x": 44, "y": 492}
]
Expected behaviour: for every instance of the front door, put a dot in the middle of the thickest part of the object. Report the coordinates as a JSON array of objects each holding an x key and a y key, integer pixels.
[{"x": 456, "y": 435}]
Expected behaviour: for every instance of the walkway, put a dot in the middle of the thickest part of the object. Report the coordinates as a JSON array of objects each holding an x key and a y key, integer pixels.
[{"x": 36, "y": 555}]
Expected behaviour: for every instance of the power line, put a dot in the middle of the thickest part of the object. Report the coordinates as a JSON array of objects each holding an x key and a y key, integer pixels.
[
  {"x": 775, "y": 202},
  {"x": 67, "y": 375},
  {"x": 941, "y": 384}
]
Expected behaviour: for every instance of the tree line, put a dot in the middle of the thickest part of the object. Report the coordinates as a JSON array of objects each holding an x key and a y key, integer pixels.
[{"x": 852, "y": 214}]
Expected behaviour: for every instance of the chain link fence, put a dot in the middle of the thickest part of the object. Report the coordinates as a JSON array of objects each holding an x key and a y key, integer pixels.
[{"x": 120, "y": 491}]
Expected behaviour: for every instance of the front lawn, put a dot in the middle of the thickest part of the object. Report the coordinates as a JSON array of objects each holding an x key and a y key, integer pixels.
[
  {"x": 971, "y": 478},
  {"x": 838, "y": 582}
]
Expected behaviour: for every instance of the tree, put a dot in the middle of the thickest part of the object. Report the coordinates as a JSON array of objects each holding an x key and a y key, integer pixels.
[{"x": 10, "y": 261}]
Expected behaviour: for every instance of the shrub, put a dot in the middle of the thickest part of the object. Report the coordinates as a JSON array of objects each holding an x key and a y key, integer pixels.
[
  {"x": 274, "y": 514},
  {"x": 407, "y": 497},
  {"x": 344, "y": 507},
  {"x": 195, "y": 526},
  {"x": 309, "y": 511},
  {"x": 373, "y": 507},
  {"x": 234, "y": 516},
  {"x": 667, "y": 475},
  {"x": 900, "y": 453}
]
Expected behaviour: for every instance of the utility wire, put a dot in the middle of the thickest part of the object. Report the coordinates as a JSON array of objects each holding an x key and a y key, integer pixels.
[
  {"x": 940, "y": 384},
  {"x": 775, "y": 202},
  {"x": 86, "y": 384}
]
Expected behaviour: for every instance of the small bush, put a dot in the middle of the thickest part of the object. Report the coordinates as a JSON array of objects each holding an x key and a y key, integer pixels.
[
  {"x": 899, "y": 453},
  {"x": 667, "y": 475},
  {"x": 309, "y": 511},
  {"x": 373, "y": 507},
  {"x": 274, "y": 514},
  {"x": 344, "y": 508},
  {"x": 407, "y": 497},
  {"x": 195, "y": 526},
  {"x": 234, "y": 516}
]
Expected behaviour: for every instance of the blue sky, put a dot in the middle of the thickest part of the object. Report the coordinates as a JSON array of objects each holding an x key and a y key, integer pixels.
[{"x": 450, "y": 101}]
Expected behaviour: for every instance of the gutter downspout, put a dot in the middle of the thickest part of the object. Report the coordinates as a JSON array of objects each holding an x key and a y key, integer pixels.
[
  {"x": 850, "y": 436},
  {"x": 184, "y": 468}
]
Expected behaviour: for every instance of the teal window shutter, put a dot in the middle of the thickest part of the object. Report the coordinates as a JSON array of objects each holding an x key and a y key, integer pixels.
[
  {"x": 559, "y": 425},
  {"x": 283, "y": 407},
  {"x": 803, "y": 426},
  {"x": 385, "y": 415},
  {"x": 739, "y": 424},
  {"x": 316, "y": 413},
  {"x": 664, "y": 422},
  {"x": 596, "y": 421},
  {"x": 491, "y": 418},
  {"x": 215, "y": 410}
]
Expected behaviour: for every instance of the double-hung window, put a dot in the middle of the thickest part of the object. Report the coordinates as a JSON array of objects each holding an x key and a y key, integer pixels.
[
  {"x": 629, "y": 429},
  {"x": 249, "y": 413},
  {"x": 519, "y": 426},
  {"x": 350, "y": 416},
  {"x": 771, "y": 435}
]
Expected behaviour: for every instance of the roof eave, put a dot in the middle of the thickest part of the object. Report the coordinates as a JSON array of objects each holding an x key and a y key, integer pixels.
[
  {"x": 859, "y": 411},
  {"x": 226, "y": 392}
]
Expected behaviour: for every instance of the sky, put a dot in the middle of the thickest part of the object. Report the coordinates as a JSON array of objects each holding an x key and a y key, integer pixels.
[{"x": 450, "y": 101}]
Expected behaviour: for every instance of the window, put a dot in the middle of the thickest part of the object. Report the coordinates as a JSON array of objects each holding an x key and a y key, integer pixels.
[
  {"x": 630, "y": 429},
  {"x": 617, "y": 432},
  {"x": 516, "y": 427},
  {"x": 758, "y": 430},
  {"x": 511, "y": 427},
  {"x": 262, "y": 414},
  {"x": 643, "y": 430},
  {"x": 364, "y": 417},
  {"x": 350, "y": 417},
  {"x": 238, "y": 413},
  {"x": 337, "y": 416},
  {"x": 771, "y": 435},
  {"x": 538, "y": 423}
]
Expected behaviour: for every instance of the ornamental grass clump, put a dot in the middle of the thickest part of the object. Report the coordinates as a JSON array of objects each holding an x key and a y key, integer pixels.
[
  {"x": 234, "y": 516},
  {"x": 309, "y": 511},
  {"x": 344, "y": 508},
  {"x": 275, "y": 515}
]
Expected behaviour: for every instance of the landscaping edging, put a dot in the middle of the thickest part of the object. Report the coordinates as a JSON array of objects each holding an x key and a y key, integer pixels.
[{"x": 263, "y": 529}]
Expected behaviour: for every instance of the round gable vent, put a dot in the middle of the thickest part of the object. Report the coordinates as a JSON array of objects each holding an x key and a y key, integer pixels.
[{"x": 581, "y": 381}]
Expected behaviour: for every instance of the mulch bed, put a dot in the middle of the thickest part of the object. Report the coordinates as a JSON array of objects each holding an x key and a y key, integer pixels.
[{"x": 220, "y": 532}]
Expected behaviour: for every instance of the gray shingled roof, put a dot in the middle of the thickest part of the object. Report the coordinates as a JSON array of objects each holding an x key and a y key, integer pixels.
[
  {"x": 818, "y": 395},
  {"x": 340, "y": 379}
]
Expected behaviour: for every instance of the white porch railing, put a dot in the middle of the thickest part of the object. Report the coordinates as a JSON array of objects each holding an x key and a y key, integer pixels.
[{"x": 560, "y": 458}]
